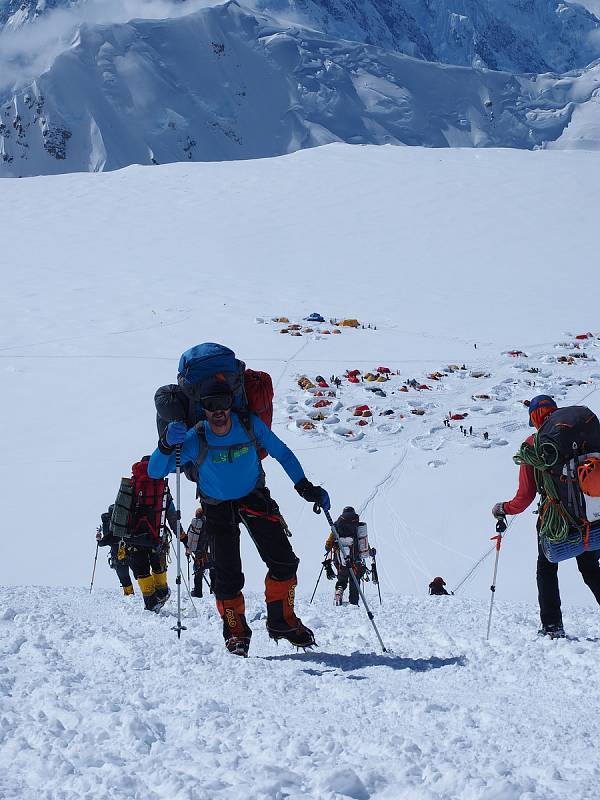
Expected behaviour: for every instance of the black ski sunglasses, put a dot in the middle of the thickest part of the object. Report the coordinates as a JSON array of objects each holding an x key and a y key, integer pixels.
[{"x": 217, "y": 402}]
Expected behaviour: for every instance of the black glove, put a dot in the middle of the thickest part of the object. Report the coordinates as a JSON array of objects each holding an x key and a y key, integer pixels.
[
  {"x": 313, "y": 494},
  {"x": 331, "y": 576}
]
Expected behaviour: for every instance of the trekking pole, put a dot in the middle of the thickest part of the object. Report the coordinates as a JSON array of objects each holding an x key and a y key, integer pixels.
[
  {"x": 317, "y": 583},
  {"x": 500, "y": 528},
  {"x": 348, "y": 561},
  {"x": 179, "y": 627},
  {"x": 187, "y": 587},
  {"x": 94, "y": 570}
]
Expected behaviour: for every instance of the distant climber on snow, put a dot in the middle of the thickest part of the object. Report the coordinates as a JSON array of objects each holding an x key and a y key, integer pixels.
[
  {"x": 354, "y": 542},
  {"x": 549, "y": 463},
  {"x": 225, "y": 451},
  {"x": 437, "y": 585}
]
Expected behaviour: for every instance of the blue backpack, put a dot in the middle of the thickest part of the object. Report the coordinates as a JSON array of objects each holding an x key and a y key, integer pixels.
[
  {"x": 211, "y": 360},
  {"x": 252, "y": 394}
]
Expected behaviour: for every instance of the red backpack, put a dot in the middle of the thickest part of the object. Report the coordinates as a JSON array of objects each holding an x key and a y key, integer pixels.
[
  {"x": 149, "y": 506},
  {"x": 259, "y": 395}
]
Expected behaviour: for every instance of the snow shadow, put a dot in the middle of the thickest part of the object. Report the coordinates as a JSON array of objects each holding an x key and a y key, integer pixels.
[{"x": 356, "y": 661}]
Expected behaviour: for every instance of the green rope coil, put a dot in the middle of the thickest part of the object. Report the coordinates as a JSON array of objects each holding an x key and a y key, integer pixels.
[{"x": 556, "y": 524}]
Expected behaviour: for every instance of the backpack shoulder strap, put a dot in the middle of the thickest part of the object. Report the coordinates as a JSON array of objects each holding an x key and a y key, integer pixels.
[
  {"x": 203, "y": 447},
  {"x": 245, "y": 418},
  {"x": 202, "y": 444}
]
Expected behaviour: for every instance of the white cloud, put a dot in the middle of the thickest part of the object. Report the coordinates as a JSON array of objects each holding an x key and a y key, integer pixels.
[{"x": 26, "y": 52}]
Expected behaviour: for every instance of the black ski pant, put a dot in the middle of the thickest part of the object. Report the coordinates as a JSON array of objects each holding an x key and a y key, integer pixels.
[
  {"x": 260, "y": 515},
  {"x": 144, "y": 559},
  {"x": 547, "y": 583},
  {"x": 120, "y": 567},
  {"x": 343, "y": 577}
]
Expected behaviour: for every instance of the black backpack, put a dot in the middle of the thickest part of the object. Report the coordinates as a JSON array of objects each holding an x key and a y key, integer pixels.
[
  {"x": 568, "y": 433},
  {"x": 561, "y": 445}
]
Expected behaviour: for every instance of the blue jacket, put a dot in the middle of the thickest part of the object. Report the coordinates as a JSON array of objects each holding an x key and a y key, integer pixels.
[{"x": 232, "y": 467}]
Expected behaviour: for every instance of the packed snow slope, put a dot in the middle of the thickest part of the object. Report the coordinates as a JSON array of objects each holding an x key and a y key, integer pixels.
[
  {"x": 108, "y": 278},
  {"x": 100, "y": 700},
  {"x": 228, "y": 83}
]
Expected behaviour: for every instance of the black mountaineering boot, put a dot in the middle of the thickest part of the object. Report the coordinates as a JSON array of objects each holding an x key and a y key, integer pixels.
[{"x": 552, "y": 631}]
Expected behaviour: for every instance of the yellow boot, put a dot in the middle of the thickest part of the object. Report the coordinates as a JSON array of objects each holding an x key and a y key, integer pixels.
[
  {"x": 162, "y": 590},
  {"x": 149, "y": 591},
  {"x": 128, "y": 590}
]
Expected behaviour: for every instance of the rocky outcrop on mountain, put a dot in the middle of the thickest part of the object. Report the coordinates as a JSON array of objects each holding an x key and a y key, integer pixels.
[{"x": 14, "y": 13}]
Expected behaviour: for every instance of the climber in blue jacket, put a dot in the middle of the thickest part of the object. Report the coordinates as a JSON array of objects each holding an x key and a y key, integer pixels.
[{"x": 231, "y": 484}]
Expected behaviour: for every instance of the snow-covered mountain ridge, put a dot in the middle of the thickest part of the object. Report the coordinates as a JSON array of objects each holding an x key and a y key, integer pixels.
[
  {"x": 512, "y": 35},
  {"x": 228, "y": 83}
]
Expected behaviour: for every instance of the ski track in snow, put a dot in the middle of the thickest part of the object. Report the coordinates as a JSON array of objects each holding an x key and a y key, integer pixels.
[{"x": 100, "y": 700}]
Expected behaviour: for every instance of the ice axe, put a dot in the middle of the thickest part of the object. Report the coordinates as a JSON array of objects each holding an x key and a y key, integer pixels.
[{"x": 346, "y": 555}]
